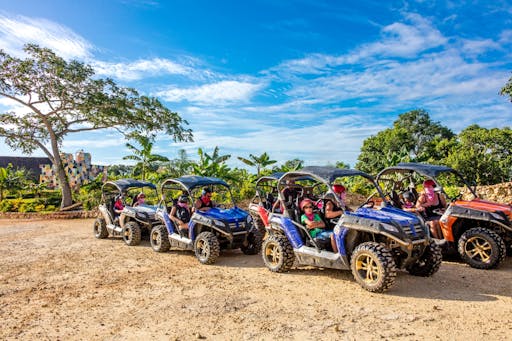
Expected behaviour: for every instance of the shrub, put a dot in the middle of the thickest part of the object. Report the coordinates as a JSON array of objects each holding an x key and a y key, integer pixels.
[{"x": 27, "y": 207}]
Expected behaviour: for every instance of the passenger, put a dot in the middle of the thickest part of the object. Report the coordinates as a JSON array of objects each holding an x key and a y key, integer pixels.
[
  {"x": 118, "y": 205},
  {"x": 204, "y": 202},
  {"x": 140, "y": 199},
  {"x": 332, "y": 209},
  {"x": 408, "y": 202},
  {"x": 180, "y": 214},
  {"x": 430, "y": 204},
  {"x": 315, "y": 224}
]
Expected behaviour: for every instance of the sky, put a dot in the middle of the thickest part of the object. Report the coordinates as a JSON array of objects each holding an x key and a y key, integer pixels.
[{"x": 307, "y": 79}]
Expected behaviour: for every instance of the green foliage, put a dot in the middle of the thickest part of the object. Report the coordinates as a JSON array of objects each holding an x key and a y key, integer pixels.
[
  {"x": 259, "y": 162},
  {"x": 483, "y": 156},
  {"x": 212, "y": 165},
  {"x": 146, "y": 160},
  {"x": 61, "y": 98},
  {"x": 507, "y": 89},
  {"x": 413, "y": 138},
  {"x": 290, "y": 165}
]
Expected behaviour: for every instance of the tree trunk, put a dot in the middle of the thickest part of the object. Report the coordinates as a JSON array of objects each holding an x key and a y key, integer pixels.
[{"x": 67, "y": 198}]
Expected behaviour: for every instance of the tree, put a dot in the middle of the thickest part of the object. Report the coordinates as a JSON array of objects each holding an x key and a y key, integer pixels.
[
  {"x": 289, "y": 165},
  {"x": 414, "y": 137},
  {"x": 63, "y": 98},
  {"x": 507, "y": 89},
  {"x": 212, "y": 165},
  {"x": 144, "y": 157},
  {"x": 5, "y": 175},
  {"x": 259, "y": 162},
  {"x": 483, "y": 156}
]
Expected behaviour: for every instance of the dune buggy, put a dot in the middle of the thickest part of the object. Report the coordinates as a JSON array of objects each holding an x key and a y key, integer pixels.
[
  {"x": 131, "y": 221},
  {"x": 224, "y": 226},
  {"x": 373, "y": 241},
  {"x": 477, "y": 230}
]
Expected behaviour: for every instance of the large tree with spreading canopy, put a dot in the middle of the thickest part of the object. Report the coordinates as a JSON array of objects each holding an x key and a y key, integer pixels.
[{"x": 64, "y": 97}]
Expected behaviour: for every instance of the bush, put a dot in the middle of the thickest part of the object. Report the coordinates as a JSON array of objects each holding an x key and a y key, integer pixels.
[
  {"x": 5, "y": 205},
  {"x": 27, "y": 207}
]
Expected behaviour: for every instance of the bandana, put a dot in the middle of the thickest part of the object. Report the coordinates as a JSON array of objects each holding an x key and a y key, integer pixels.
[
  {"x": 205, "y": 200},
  {"x": 311, "y": 217},
  {"x": 183, "y": 204},
  {"x": 429, "y": 192}
]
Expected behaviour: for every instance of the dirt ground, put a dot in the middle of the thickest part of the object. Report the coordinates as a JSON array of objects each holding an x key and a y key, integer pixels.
[{"x": 58, "y": 282}]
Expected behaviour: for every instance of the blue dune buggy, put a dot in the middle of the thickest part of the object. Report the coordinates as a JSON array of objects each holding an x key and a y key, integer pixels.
[
  {"x": 372, "y": 240},
  {"x": 225, "y": 226}
]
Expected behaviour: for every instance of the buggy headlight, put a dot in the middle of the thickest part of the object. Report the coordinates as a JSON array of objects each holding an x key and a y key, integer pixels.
[
  {"x": 218, "y": 223},
  {"x": 389, "y": 227}
]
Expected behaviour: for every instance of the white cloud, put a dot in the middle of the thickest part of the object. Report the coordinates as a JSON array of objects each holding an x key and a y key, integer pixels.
[
  {"x": 19, "y": 30},
  {"x": 141, "y": 69},
  {"x": 216, "y": 93}
]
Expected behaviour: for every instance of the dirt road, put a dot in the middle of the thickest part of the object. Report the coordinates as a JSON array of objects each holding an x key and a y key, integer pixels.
[{"x": 58, "y": 282}]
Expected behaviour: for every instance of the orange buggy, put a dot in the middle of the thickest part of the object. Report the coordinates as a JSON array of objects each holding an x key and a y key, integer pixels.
[{"x": 478, "y": 230}]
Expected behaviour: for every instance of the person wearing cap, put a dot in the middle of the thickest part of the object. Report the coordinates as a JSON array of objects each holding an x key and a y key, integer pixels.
[
  {"x": 140, "y": 199},
  {"x": 408, "y": 204},
  {"x": 118, "y": 205},
  {"x": 180, "y": 214},
  {"x": 314, "y": 223},
  {"x": 429, "y": 205},
  {"x": 204, "y": 202}
]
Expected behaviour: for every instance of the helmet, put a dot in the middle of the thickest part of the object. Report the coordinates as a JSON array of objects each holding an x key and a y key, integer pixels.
[
  {"x": 206, "y": 190},
  {"x": 338, "y": 188},
  {"x": 183, "y": 198}
]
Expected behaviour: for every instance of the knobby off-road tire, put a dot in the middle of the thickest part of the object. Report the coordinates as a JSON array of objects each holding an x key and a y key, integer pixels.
[
  {"x": 277, "y": 253},
  {"x": 259, "y": 223},
  {"x": 207, "y": 248},
  {"x": 373, "y": 267},
  {"x": 482, "y": 248},
  {"x": 131, "y": 233},
  {"x": 254, "y": 241},
  {"x": 100, "y": 228},
  {"x": 159, "y": 239},
  {"x": 429, "y": 263}
]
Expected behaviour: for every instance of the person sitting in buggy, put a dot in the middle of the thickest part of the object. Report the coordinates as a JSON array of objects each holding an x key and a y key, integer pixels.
[
  {"x": 315, "y": 224},
  {"x": 118, "y": 205},
  {"x": 430, "y": 204},
  {"x": 180, "y": 214},
  {"x": 140, "y": 199},
  {"x": 332, "y": 209},
  {"x": 204, "y": 202}
]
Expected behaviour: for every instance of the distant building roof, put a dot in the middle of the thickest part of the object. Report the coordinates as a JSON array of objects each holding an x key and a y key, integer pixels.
[{"x": 30, "y": 163}]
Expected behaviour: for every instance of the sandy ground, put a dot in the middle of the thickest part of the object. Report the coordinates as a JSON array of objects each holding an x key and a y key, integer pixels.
[{"x": 58, "y": 282}]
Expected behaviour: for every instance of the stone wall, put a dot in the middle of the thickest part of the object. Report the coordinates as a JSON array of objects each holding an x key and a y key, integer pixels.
[
  {"x": 50, "y": 215},
  {"x": 501, "y": 193}
]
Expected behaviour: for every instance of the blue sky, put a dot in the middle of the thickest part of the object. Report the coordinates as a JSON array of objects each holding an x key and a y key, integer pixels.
[{"x": 304, "y": 79}]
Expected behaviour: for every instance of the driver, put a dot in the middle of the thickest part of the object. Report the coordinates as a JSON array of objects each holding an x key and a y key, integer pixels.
[{"x": 204, "y": 202}]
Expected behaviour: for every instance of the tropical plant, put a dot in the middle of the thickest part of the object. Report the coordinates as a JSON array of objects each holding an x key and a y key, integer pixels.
[
  {"x": 290, "y": 165},
  {"x": 63, "y": 98},
  {"x": 259, "y": 162},
  {"x": 212, "y": 165},
  {"x": 146, "y": 160}
]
